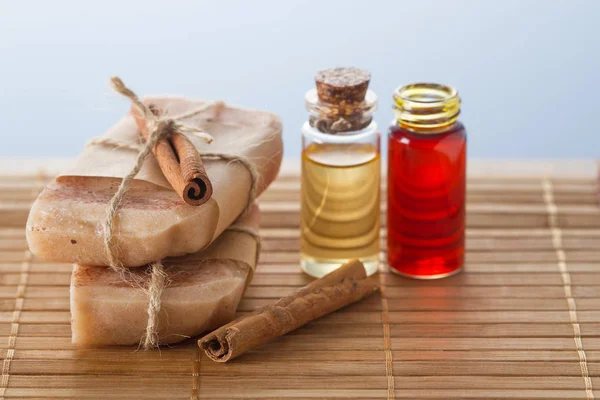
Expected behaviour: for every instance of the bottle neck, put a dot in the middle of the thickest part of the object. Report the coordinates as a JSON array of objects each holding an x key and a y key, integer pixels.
[
  {"x": 369, "y": 134},
  {"x": 426, "y": 108},
  {"x": 340, "y": 119}
]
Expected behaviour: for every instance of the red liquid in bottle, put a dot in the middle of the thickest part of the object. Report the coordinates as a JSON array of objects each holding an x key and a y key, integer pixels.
[{"x": 426, "y": 201}]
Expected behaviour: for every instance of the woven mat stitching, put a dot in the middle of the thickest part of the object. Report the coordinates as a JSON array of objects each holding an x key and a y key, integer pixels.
[
  {"x": 552, "y": 209},
  {"x": 19, "y": 300},
  {"x": 389, "y": 361}
]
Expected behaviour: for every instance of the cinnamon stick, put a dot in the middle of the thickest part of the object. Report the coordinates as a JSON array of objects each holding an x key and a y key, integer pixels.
[
  {"x": 181, "y": 164},
  {"x": 344, "y": 286}
]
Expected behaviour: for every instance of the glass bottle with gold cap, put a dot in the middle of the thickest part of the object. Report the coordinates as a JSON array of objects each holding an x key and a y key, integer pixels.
[
  {"x": 340, "y": 209},
  {"x": 426, "y": 182}
]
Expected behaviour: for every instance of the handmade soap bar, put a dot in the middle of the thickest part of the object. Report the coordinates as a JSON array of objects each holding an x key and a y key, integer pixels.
[
  {"x": 66, "y": 221},
  {"x": 203, "y": 293}
]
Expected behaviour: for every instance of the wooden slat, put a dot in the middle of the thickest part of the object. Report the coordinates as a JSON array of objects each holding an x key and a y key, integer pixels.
[
  {"x": 305, "y": 394},
  {"x": 396, "y": 317},
  {"x": 307, "y": 382},
  {"x": 473, "y": 244},
  {"x": 330, "y": 329}
]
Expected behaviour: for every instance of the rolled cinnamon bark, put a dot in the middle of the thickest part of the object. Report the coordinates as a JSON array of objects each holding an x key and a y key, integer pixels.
[
  {"x": 181, "y": 164},
  {"x": 342, "y": 287}
]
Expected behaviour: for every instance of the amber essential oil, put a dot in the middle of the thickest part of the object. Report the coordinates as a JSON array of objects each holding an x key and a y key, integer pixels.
[{"x": 340, "y": 206}]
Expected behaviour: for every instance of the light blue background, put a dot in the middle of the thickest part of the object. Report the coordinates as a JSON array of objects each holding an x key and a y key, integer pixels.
[{"x": 528, "y": 71}]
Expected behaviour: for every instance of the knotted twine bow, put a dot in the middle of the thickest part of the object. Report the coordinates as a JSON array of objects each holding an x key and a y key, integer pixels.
[{"x": 158, "y": 128}]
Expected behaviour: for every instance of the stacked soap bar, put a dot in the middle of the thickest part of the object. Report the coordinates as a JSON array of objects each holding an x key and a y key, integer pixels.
[
  {"x": 203, "y": 294},
  {"x": 207, "y": 264}
]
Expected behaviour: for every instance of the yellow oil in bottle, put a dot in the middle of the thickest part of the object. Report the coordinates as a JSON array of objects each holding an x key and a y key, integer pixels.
[{"x": 340, "y": 206}]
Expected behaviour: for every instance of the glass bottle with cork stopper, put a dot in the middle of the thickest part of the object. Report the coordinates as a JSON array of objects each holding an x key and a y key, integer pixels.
[
  {"x": 426, "y": 182},
  {"x": 340, "y": 173}
]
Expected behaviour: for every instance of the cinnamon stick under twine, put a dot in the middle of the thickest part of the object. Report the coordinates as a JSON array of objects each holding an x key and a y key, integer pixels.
[
  {"x": 179, "y": 162},
  {"x": 177, "y": 157},
  {"x": 157, "y": 129},
  {"x": 344, "y": 286}
]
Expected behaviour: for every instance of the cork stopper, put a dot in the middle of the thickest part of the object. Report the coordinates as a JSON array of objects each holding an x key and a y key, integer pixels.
[
  {"x": 342, "y": 102},
  {"x": 342, "y": 85}
]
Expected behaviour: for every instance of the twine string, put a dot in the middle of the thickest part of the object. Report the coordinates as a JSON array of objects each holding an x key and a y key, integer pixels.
[
  {"x": 158, "y": 282},
  {"x": 159, "y": 128},
  {"x": 246, "y": 163}
]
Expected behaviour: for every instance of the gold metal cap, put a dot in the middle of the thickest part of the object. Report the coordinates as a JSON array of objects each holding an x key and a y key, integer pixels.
[{"x": 426, "y": 107}]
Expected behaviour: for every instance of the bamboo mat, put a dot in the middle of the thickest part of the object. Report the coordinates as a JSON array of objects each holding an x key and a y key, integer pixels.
[{"x": 521, "y": 322}]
